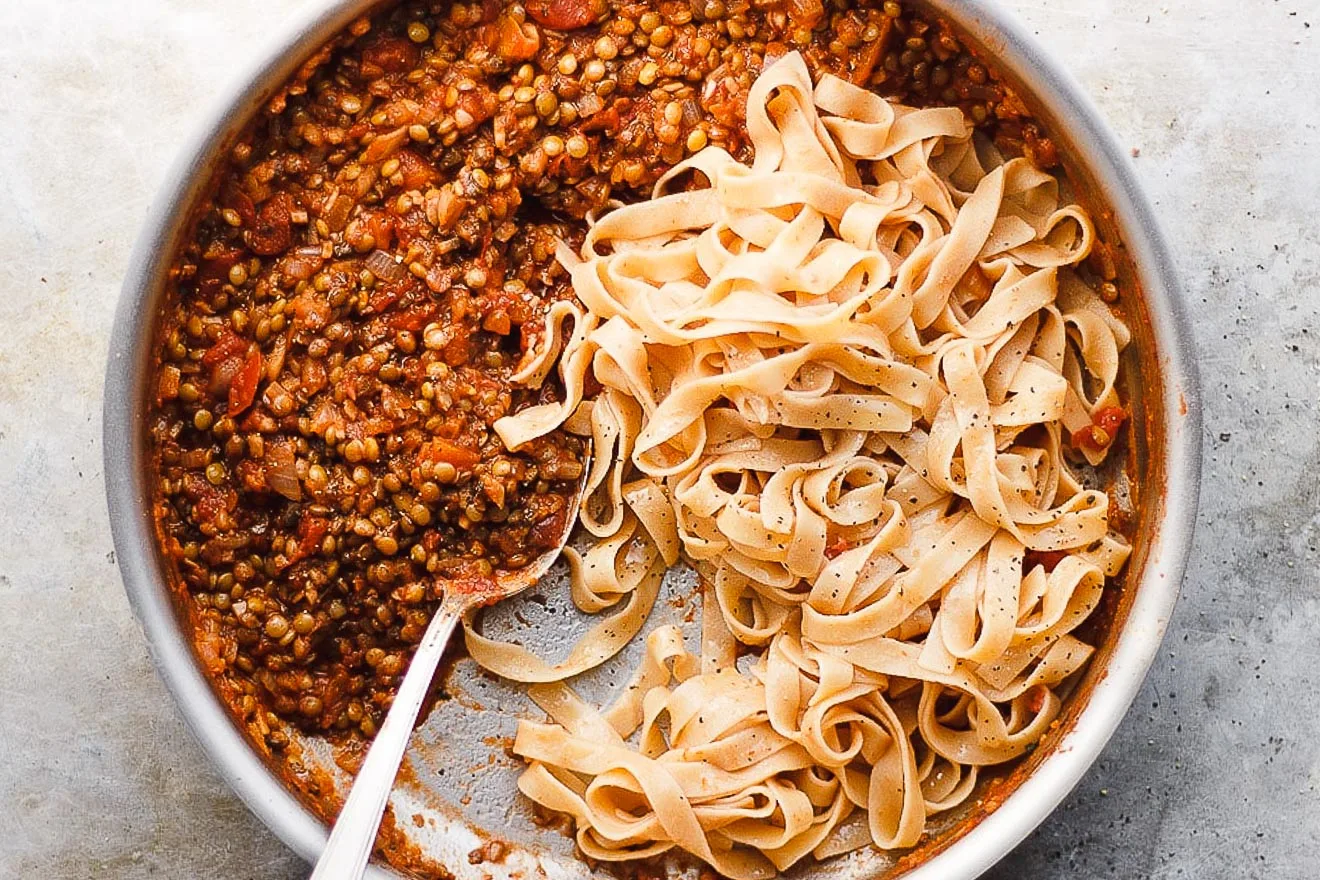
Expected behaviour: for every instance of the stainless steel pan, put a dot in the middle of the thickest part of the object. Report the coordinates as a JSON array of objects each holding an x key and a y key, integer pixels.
[{"x": 457, "y": 790}]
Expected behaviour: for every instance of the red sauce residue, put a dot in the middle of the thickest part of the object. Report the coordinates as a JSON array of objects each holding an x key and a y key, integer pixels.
[
  {"x": 473, "y": 586},
  {"x": 395, "y": 847},
  {"x": 1047, "y": 558}
]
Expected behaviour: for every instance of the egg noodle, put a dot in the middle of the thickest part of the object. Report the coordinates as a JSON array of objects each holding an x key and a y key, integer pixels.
[{"x": 837, "y": 383}]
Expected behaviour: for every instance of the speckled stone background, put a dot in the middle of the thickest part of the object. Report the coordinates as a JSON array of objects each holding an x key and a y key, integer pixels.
[{"x": 1214, "y": 774}]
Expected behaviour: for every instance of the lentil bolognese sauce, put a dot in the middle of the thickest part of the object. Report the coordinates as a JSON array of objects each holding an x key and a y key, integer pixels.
[{"x": 376, "y": 259}]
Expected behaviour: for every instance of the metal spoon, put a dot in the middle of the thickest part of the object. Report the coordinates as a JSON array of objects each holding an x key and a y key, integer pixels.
[{"x": 349, "y": 847}]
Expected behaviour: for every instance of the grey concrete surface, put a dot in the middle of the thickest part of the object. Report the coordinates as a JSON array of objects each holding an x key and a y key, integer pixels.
[{"x": 1214, "y": 773}]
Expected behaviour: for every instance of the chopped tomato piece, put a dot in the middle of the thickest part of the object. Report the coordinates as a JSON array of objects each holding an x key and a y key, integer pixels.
[
  {"x": 385, "y": 145},
  {"x": 1104, "y": 427},
  {"x": 380, "y": 226},
  {"x": 417, "y": 173},
  {"x": 870, "y": 54},
  {"x": 311, "y": 310},
  {"x": 364, "y": 428},
  {"x": 774, "y": 50},
  {"x": 1110, "y": 419},
  {"x": 480, "y": 103},
  {"x": 414, "y": 318},
  {"x": 244, "y": 386},
  {"x": 401, "y": 112},
  {"x": 497, "y": 322},
  {"x": 252, "y": 476},
  {"x": 388, "y": 291},
  {"x": 208, "y": 501},
  {"x": 458, "y": 351},
  {"x": 273, "y": 233},
  {"x": 313, "y": 377},
  {"x": 229, "y": 345},
  {"x": 258, "y": 421},
  {"x": 510, "y": 39},
  {"x": 397, "y": 405},
  {"x": 311, "y": 531},
  {"x": 439, "y": 450},
  {"x": 562, "y": 15},
  {"x": 805, "y": 13},
  {"x": 389, "y": 54},
  {"x": 384, "y": 296},
  {"x": 607, "y": 121},
  {"x": 720, "y": 98},
  {"x": 1090, "y": 437}
]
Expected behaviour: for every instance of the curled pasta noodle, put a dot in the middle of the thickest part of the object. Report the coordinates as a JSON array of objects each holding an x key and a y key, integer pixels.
[{"x": 837, "y": 382}]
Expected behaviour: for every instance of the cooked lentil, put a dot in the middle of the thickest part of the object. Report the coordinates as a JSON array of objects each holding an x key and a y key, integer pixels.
[{"x": 373, "y": 264}]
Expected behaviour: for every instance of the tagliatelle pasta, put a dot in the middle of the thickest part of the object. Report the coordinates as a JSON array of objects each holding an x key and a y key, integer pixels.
[{"x": 839, "y": 382}]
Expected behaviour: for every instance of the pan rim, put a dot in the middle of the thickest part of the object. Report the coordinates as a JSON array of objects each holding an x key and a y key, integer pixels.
[{"x": 994, "y": 835}]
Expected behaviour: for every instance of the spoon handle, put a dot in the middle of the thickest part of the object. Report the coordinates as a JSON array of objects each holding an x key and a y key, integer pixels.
[{"x": 346, "y": 853}]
